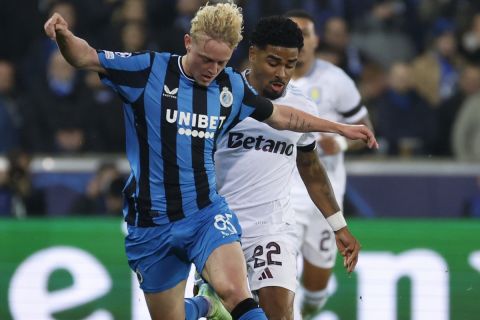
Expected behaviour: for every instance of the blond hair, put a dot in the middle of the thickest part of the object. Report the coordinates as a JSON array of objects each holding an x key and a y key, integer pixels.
[{"x": 222, "y": 22}]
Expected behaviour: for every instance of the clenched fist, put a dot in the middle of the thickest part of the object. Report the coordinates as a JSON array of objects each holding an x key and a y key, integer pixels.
[{"x": 55, "y": 24}]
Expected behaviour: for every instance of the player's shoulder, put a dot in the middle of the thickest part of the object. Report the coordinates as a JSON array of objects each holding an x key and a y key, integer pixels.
[
  {"x": 164, "y": 55},
  {"x": 328, "y": 69},
  {"x": 232, "y": 76},
  {"x": 295, "y": 98},
  {"x": 232, "y": 73}
]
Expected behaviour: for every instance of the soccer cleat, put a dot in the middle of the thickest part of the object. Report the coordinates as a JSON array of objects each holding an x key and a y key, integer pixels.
[{"x": 216, "y": 311}]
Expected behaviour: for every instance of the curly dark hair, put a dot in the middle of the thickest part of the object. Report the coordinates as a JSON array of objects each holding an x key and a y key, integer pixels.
[
  {"x": 299, "y": 13},
  {"x": 277, "y": 31}
]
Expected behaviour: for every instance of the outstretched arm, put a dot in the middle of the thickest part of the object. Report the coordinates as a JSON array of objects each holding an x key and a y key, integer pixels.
[
  {"x": 333, "y": 144},
  {"x": 318, "y": 185},
  {"x": 287, "y": 118},
  {"x": 75, "y": 50}
]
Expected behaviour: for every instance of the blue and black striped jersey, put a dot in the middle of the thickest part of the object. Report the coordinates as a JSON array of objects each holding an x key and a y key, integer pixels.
[{"x": 172, "y": 125}]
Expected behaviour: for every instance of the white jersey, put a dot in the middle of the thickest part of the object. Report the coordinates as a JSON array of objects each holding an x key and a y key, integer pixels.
[
  {"x": 254, "y": 166},
  {"x": 337, "y": 99}
]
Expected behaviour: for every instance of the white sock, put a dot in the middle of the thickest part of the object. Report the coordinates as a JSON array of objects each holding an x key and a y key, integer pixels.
[{"x": 315, "y": 298}]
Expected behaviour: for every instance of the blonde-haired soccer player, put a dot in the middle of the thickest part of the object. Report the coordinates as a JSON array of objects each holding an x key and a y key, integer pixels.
[{"x": 175, "y": 108}]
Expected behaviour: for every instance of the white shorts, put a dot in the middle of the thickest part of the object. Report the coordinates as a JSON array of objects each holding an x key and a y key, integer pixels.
[
  {"x": 315, "y": 239},
  {"x": 272, "y": 259}
]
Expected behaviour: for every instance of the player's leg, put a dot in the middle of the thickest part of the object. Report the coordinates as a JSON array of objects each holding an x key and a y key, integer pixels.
[
  {"x": 277, "y": 302},
  {"x": 319, "y": 255},
  {"x": 225, "y": 271},
  {"x": 314, "y": 286},
  {"x": 272, "y": 270},
  {"x": 168, "y": 304},
  {"x": 162, "y": 272},
  {"x": 219, "y": 258}
]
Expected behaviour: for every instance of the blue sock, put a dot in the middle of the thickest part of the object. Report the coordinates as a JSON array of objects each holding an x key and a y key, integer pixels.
[
  {"x": 248, "y": 309},
  {"x": 254, "y": 314},
  {"x": 196, "y": 307}
]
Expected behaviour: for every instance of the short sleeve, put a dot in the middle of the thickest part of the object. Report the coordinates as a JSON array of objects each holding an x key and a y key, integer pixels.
[
  {"x": 349, "y": 104},
  {"x": 255, "y": 106},
  {"x": 126, "y": 73},
  {"x": 308, "y": 140}
]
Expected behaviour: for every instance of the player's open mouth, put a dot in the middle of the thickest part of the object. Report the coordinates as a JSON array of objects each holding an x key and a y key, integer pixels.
[
  {"x": 207, "y": 78},
  {"x": 277, "y": 86}
]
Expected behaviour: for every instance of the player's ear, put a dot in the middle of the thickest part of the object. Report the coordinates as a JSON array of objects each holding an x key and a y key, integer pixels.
[
  {"x": 317, "y": 41},
  {"x": 252, "y": 53},
  {"x": 187, "y": 39}
]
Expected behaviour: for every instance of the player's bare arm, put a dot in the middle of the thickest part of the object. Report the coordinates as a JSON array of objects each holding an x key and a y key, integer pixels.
[
  {"x": 75, "y": 50},
  {"x": 358, "y": 144},
  {"x": 316, "y": 180},
  {"x": 286, "y": 118},
  {"x": 318, "y": 185},
  {"x": 335, "y": 144}
]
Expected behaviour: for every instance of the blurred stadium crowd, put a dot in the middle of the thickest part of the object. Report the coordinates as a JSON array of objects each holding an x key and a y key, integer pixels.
[{"x": 416, "y": 63}]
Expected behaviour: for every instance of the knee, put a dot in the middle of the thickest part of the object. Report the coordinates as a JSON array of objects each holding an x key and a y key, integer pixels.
[{"x": 231, "y": 294}]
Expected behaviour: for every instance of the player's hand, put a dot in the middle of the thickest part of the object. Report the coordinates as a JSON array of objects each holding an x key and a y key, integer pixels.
[
  {"x": 328, "y": 144},
  {"x": 55, "y": 24},
  {"x": 359, "y": 131},
  {"x": 348, "y": 247}
]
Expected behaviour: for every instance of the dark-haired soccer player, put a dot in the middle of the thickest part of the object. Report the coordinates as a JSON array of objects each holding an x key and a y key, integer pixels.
[
  {"x": 255, "y": 165},
  {"x": 337, "y": 99},
  {"x": 175, "y": 108}
]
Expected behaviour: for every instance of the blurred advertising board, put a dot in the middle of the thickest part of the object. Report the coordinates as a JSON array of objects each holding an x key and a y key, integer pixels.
[{"x": 75, "y": 268}]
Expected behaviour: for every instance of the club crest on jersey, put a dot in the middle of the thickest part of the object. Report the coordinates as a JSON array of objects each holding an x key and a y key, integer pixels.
[
  {"x": 123, "y": 54},
  {"x": 170, "y": 93},
  {"x": 315, "y": 94},
  {"x": 226, "y": 98}
]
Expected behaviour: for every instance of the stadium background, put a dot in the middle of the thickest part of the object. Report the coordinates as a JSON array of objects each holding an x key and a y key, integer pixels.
[{"x": 414, "y": 204}]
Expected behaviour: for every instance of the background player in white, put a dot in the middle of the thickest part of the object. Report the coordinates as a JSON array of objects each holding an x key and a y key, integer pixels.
[
  {"x": 337, "y": 99},
  {"x": 255, "y": 163}
]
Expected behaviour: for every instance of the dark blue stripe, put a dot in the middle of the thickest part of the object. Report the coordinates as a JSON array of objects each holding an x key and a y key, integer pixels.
[
  {"x": 237, "y": 84},
  {"x": 129, "y": 195},
  {"x": 132, "y": 79},
  {"x": 198, "y": 149},
  {"x": 168, "y": 136},
  {"x": 143, "y": 199},
  {"x": 223, "y": 81}
]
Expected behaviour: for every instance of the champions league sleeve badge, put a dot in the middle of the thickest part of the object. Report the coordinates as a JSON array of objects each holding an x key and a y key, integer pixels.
[{"x": 226, "y": 98}]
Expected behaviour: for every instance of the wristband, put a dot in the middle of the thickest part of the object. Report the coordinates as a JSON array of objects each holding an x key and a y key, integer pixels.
[
  {"x": 337, "y": 221},
  {"x": 342, "y": 142}
]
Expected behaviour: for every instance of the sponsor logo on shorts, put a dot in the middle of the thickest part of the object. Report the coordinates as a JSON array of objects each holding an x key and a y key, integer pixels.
[{"x": 266, "y": 274}]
